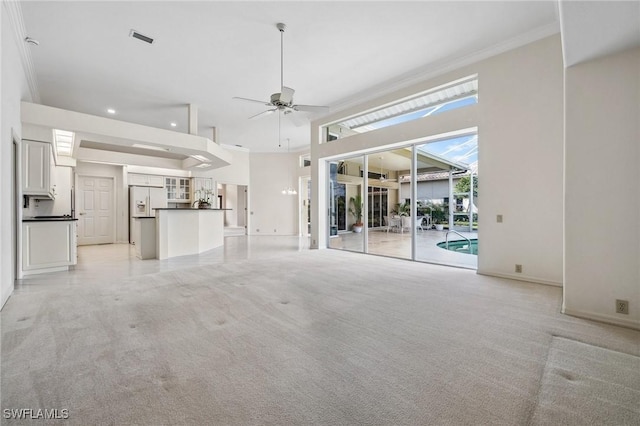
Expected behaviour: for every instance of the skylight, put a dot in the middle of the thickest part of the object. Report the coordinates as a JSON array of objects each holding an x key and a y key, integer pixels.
[{"x": 64, "y": 142}]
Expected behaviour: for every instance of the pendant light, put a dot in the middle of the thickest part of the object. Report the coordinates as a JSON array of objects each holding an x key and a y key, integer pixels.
[{"x": 288, "y": 190}]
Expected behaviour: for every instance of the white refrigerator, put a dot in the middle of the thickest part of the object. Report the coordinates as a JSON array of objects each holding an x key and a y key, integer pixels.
[{"x": 142, "y": 202}]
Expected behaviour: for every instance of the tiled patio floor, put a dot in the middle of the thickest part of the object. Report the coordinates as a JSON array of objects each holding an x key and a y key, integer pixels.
[{"x": 395, "y": 244}]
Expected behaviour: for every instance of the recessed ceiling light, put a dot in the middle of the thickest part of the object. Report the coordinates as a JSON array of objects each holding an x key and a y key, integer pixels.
[
  {"x": 111, "y": 111},
  {"x": 200, "y": 157},
  {"x": 203, "y": 165},
  {"x": 173, "y": 124}
]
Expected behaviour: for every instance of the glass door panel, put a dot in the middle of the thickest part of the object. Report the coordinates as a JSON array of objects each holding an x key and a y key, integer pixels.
[
  {"x": 389, "y": 229},
  {"x": 346, "y": 204}
]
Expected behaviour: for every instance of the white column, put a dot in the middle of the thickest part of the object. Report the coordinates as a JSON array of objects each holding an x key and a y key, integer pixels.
[
  {"x": 365, "y": 200},
  {"x": 414, "y": 199},
  {"x": 193, "y": 119},
  {"x": 471, "y": 202},
  {"x": 451, "y": 200}
]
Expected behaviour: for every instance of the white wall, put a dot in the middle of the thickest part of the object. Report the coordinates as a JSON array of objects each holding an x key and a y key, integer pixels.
[
  {"x": 520, "y": 131},
  {"x": 13, "y": 89},
  {"x": 602, "y": 191},
  {"x": 271, "y": 212},
  {"x": 231, "y": 202},
  {"x": 521, "y": 160},
  {"x": 121, "y": 191},
  {"x": 242, "y": 204}
]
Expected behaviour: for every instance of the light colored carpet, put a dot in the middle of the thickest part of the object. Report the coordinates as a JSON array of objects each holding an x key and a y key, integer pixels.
[
  {"x": 316, "y": 337},
  {"x": 588, "y": 385}
]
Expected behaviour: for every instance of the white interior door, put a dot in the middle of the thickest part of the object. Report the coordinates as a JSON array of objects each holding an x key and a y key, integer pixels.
[{"x": 96, "y": 219}]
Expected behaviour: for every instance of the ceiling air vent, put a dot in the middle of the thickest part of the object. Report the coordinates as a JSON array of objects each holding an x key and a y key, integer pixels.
[{"x": 135, "y": 34}]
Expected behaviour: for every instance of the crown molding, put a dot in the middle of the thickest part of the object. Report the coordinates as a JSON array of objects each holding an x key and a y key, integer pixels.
[
  {"x": 14, "y": 12},
  {"x": 443, "y": 66}
]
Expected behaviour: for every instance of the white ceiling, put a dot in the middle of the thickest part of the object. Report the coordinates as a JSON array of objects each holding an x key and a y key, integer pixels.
[{"x": 205, "y": 53}]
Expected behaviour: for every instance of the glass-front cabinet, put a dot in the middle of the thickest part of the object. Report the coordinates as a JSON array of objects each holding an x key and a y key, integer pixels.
[{"x": 178, "y": 189}]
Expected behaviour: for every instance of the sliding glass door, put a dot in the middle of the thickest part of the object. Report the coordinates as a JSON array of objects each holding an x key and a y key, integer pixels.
[
  {"x": 378, "y": 206},
  {"x": 346, "y": 204}
]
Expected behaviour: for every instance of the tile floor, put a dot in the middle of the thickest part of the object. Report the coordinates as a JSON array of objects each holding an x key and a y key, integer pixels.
[{"x": 395, "y": 244}]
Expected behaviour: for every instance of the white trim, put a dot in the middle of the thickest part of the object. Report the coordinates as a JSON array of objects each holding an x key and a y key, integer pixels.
[
  {"x": 603, "y": 318},
  {"x": 438, "y": 68},
  {"x": 45, "y": 270},
  {"x": 14, "y": 12},
  {"x": 520, "y": 277}
]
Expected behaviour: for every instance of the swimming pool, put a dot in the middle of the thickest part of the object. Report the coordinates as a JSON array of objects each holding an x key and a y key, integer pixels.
[{"x": 461, "y": 246}]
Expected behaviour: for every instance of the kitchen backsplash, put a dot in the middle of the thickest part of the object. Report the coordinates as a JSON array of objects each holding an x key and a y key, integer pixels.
[{"x": 63, "y": 202}]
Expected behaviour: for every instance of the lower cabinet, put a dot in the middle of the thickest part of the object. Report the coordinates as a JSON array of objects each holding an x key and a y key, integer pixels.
[
  {"x": 48, "y": 245},
  {"x": 145, "y": 237}
]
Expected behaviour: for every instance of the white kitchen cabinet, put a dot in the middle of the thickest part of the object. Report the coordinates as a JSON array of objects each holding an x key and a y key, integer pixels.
[
  {"x": 135, "y": 179},
  {"x": 145, "y": 237},
  {"x": 37, "y": 161},
  {"x": 48, "y": 245},
  {"x": 178, "y": 189}
]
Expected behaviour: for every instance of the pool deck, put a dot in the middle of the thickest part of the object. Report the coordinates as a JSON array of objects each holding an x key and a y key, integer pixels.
[{"x": 396, "y": 244}]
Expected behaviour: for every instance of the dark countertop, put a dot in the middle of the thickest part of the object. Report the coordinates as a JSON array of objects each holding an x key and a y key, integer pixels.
[
  {"x": 144, "y": 217},
  {"x": 47, "y": 218}
]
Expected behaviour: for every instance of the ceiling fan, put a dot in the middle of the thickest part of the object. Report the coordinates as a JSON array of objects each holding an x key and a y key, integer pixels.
[{"x": 283, "y": 101}]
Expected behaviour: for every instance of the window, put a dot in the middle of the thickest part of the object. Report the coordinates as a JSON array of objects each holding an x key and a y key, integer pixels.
[{"x": 457, "y": 94}]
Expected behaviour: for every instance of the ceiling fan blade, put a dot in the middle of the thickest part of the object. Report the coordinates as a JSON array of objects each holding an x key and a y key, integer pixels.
[
  {"x": 263, "y": 113},
  {"x": 253, "y": 100},
  {"x": 286, "y": 95},
  {"x": 310, "y": 108}
]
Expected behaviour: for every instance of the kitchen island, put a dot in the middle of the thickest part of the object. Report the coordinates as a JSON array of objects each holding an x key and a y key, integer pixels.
[{"x": 180, "y": 232}]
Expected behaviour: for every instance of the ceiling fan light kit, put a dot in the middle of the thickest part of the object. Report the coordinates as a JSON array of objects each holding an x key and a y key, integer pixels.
[{"x": 283, "y": 100}]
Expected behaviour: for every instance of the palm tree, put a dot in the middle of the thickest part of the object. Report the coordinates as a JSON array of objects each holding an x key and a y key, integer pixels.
[{"x": 355, "y": 209}]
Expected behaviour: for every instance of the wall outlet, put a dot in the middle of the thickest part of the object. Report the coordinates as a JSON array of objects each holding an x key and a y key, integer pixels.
[
  {"x": 622, "y": 307},
  {"x": 518, "y": 269},
  {"x": 499, "y": 218},
  {"x": 258, "y": 230},
  {"x": 275, "y": 230}
]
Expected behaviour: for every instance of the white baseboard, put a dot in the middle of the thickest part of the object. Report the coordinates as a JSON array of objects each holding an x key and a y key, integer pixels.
[
  {"x": 45, "y": 270},
  {"x": 520, "y": 277},
  {"x": 3, "y": 302},
  {"x": 603, "y": 318}
]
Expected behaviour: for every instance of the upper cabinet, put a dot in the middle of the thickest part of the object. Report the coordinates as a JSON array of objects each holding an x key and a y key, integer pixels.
[
  {"x": 136, "y": 179},
  {"x": 178, "y": 189},
  {"x": 37, "y": 159}
]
